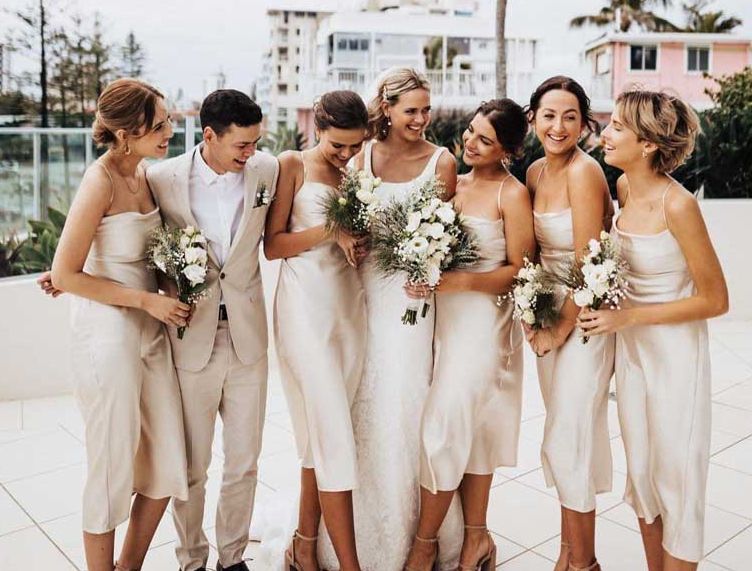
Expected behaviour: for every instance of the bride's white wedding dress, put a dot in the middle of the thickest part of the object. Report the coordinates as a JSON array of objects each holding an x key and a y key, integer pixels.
[{"x": 386, "y": 419}]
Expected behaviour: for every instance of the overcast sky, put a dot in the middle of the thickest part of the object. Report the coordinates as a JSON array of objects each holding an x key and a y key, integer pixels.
[{"x": 188, "y": 43}]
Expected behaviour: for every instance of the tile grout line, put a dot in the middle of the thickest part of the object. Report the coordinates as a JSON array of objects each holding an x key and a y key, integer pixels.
[
  {"x": 737, "y": 534},
  {"x": 43, "y": 473},
  {"x": 742, "y": 439},
  {"x": 39, "y": 527}
]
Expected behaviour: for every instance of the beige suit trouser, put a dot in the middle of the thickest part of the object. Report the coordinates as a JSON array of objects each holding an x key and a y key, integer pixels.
[{"x": 238, "y": 393}]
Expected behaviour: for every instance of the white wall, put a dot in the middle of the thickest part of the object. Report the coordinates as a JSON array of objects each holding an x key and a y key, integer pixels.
[{"x": 34, "y": 340}]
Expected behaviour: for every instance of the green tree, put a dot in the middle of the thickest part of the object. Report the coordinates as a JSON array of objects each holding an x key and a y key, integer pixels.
[
  {"x": 624, "y": 14},
  {"x": 701, "y": 21},
  {"x": 132, "y": 57}
]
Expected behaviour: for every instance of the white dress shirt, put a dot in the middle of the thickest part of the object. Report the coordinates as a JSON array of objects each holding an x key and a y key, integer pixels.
[{"x": 217, "y": 202}]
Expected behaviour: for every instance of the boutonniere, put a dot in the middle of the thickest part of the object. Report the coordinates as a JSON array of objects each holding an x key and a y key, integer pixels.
[{"x": 263, "y": 196}]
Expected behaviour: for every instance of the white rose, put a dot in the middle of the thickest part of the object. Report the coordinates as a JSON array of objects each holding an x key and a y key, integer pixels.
[
  {"x": 583, "y": 297},
  {"x": 436, "y": 230},
  {"x": 609, "y": 266},
  {"x": 434, "y": 274},
  {"x": 528, "y": 290},
  {"x": 366, "y": 184},
  {"x": 195, "y": 274},
  {"x": 365, "y": 196},
  {"x": 195, "y": 256},
  {"x": 185, "y": 241},
  {"x": 376, "y": 182},
  {"x": 446, "y": 214},
  {"x": 594, "y": 246},
  {"x": 522, "y": 301},
  {"x": 418, "y": 245},
  {"x": 528, "y": 316},
  {"x": 413, "y": 221},
  {"x": 600, "y": 289}
]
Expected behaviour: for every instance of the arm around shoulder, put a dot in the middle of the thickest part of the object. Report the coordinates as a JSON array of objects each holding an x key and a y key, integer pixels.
[{"x": 446, "y": 170}]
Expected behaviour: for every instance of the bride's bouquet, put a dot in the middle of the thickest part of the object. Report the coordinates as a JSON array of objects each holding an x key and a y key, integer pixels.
[
  {"x": 351, "y": 205},
  {"x": 181, "y": 255},
  {"x": 601, "y": 278},
  {"x": 533, "y": 295},
  {"x": 422, "y": 236}
]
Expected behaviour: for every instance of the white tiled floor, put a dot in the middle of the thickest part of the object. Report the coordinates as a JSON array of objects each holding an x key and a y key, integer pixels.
[{"x": 42, "y": 470}]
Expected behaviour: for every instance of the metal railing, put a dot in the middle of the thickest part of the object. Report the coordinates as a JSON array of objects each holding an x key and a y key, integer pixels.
[{"x": 41, "y": 167}]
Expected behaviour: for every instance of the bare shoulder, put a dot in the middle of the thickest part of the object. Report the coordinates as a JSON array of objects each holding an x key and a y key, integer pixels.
[
  {"x": 680, "y": 204},
  {"x": 533, "y": 171},
  {"x": 289, "y": 159},
  {"x": 447, "y": 160},
  {"x": 515, "y": 190},
  {"x": 622, "y": 189},
  {"x": 585, "y": 166}
]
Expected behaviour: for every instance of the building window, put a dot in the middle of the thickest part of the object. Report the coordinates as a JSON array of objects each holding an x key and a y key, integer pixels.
[
  {"x": 297, "y": 31},
  {"x": 643, "y": 58},
  {"x": 698, "y": 59},
  {"x": 342, "y": 44},
  {"x": 353, "y": 45},
  {"x": 286, "y": 16},
  {"x": 602, "y": 63},
  {"x": 282, "y": 88},
  {"x": 364, "y": 45}
]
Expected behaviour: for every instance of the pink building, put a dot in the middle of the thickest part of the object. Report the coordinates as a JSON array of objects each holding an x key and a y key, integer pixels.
[{"x": 662, "y": 60}]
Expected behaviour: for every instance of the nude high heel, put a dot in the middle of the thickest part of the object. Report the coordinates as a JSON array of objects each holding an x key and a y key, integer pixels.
[
  {"x": 488, "y": 561},
  {"x": 290, "y": 561}
]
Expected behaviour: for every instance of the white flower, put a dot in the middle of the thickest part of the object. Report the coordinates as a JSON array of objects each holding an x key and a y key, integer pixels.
[
  {"x": 366, "y": 196},
  {"x": 189, "y": 230},
  {"x": 366, "y": 184},
  {"x": 522, "y": 301},
  {"x": 594, "y": 246},
  {"x": 376, "y": 182},
  {"x": 434, "y": 274},
  {"x": 199, "y": 238},
  {"x": 195, "y": 274},
  {"x": 342, "y": 200},
  {"x": 604, "y": 235},
  {"x": 418, "y": 245},
  {"x": 160, "y": 263},
  {"x": 446, "y": 214},
  {"x": 583, "y": 297},
  {"x": 185, "y": 241},
  {"x": 435, "y": 230},
  {"x": 195, "y": 256},
  {"x": 528, "y": 316},
  {"x": 609, "y": 266},
  {"x": 413, "y": 221}
]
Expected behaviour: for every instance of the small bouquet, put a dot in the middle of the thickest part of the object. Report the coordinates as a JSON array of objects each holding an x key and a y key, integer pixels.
[
  {"x": 601, "y": 278},
  {"x": 181, "y": 255},
  {"x": 533, "y": 295},
  {"x": 351, "y": 206},
  {"x": 422, "y": 236}
]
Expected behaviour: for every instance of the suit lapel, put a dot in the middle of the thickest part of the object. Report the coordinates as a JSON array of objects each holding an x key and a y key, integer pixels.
[
  {"x": 250, "y": 181},
  {"x": 181, "y": 181}
]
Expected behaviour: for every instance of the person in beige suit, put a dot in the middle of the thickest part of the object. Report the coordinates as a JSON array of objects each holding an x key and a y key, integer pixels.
[{"x": 223, "y": 187}]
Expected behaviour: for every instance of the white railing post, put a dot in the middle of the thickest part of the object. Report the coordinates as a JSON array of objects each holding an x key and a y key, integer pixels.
[
  {"x": 190, "y": 132},
  {"x": 36, "y": 177},
  {"x": 88, "y": 154}
]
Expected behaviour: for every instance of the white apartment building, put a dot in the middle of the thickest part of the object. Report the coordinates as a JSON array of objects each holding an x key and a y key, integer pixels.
[
  {"x": 334, "y": 48},
  {"x": 4, "y": 68}
]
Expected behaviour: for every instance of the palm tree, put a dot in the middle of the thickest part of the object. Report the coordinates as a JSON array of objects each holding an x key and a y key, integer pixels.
[
  {"x": 623, "y": 14},
  {"x": 501, "y": 49},
  {"x": 708, "y": 22}
]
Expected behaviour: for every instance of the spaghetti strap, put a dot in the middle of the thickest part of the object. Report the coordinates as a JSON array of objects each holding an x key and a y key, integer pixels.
[
  {"x": 498, "y": 194},
  {"x": 540, "y": 175},
  {"x": 112, "y": 182},
  {"x": 663, "y": 202},
  {"x": 367, "y": 158}
]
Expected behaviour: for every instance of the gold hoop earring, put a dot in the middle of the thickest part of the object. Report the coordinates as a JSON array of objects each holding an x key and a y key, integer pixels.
[
  {"x": 127, "y": 149},
  {"x": 644, "y": 154}
]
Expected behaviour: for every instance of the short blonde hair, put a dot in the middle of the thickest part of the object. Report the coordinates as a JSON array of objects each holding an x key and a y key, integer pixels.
[
  {"x": 664, "y": 120},
  {"x": 390, "y": 86}
]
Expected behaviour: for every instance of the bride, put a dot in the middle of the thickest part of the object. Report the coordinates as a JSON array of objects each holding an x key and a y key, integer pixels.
[{"x": 399, "y": 358}]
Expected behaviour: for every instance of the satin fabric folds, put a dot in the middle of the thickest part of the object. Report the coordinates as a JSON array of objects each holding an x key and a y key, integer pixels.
[
  {"x": 319, "y": 324},
  {"x": 126, "y": 385},
  {"x": 664, "y": 398}
]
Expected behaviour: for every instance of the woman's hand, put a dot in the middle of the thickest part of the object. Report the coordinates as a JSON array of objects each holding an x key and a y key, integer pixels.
[
  {"x": 167, "y": 309},
  {"x": 45, "y": 283},
  {"x": 417, "y": 291},
  {"x": 452, "y": 282},
  {"x": 545, "y": 339},
  {"x": 349, "y": 245},
  {"x": 602, "y": 321}
]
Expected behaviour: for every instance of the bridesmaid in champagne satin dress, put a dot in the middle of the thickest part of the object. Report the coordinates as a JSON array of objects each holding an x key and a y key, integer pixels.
[
  {"x": 471, "y": 420},
  {"x": 572, "y": 206},
  {"x": 320, "y": 326},
  {"x": 662, "y": 351}
]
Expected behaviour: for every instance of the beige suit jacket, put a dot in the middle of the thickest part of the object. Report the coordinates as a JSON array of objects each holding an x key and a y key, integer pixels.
[{"x": 238, "y": 280}]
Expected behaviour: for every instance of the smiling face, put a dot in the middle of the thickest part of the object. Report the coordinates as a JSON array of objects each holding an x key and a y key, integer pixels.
[
  {"x": 338, "y": 146},
  {"x": 153, "y": 143},
  {"x": 410, "y": 115},
  {"x": 481, "y": 145},
  {"x": 558, "y": 122},
  {"x": 621, "y": 146},
  {"x": 230, "y": 151}
]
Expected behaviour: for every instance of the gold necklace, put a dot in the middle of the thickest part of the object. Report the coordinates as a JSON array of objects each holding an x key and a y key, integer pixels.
[{"x": 127, "y": 184}]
